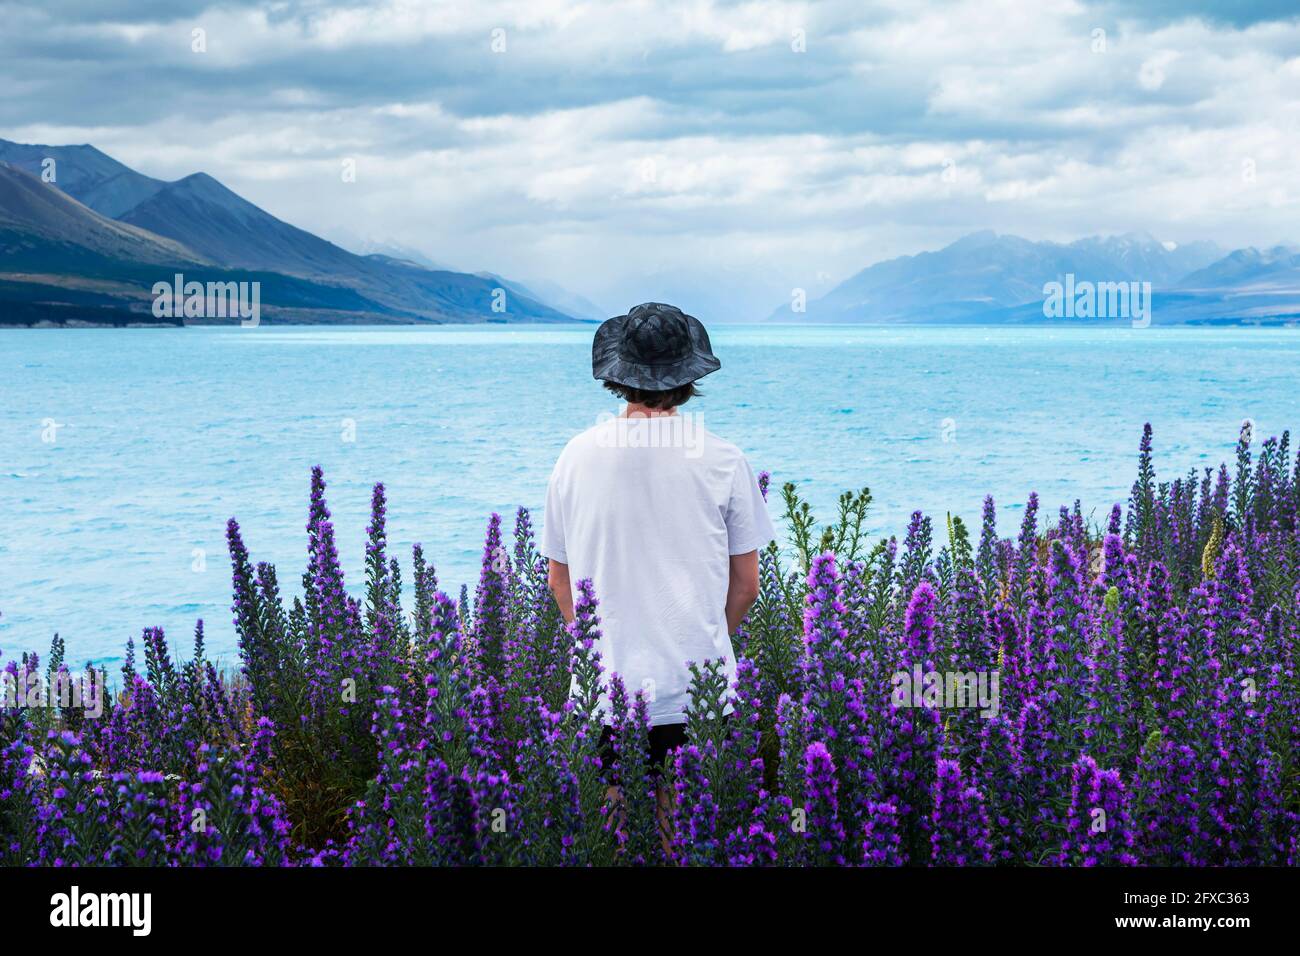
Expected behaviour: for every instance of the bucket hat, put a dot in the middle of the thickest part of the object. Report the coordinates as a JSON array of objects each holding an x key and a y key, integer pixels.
[{"x": 655, "y": 347}]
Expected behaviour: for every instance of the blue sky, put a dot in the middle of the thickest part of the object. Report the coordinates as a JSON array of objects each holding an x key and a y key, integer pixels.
[{"x": 663, "y": 149}]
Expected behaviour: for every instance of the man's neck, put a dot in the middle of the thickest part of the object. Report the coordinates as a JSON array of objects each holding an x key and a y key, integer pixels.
[{"x": 637, "y": 410}]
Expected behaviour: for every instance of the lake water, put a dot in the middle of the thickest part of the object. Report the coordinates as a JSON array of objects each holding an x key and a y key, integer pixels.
[{"x": 159, "y": 436}]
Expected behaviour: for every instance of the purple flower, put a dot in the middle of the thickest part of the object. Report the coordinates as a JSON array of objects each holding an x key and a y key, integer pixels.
[
  {"x": 825, "y": 832},
  {"x": 1098, "y": 829},
  {"x": 960, "y": 833}
]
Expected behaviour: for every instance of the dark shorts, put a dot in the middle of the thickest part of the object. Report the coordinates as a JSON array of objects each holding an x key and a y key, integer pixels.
[{"x": 663, "y": 739}]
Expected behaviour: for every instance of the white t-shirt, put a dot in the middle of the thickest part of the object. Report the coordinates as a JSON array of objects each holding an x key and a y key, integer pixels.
[{"x": 650, "y": 509}]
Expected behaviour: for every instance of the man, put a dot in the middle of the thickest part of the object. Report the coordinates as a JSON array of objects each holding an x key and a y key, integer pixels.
[{"x": 664, "y": 517}]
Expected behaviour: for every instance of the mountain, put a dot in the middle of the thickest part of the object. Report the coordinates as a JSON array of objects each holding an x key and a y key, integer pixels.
[
  {"x": 47, "y": 237},
  {"x": 1275, "y": 269},
  {"x": 94, "y": 179},
  {"x": 1146, "y": 259},
  {"x": 62, "y": 263},
  {"x": 552, "y": 294},
  {"x": 996, "y": 279},
  {"x": 224, "y": 227},
  {"x": 200, "y": 220},
  {"x": 227, "y": 229},
  {"x": 370, "y": 247},
  {"x": 43, "y": 229},
  {"x": 977, "y": 273},
  {"x": 555, "y": 295}
]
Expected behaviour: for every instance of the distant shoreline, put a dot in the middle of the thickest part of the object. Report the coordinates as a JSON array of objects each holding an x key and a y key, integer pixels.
[
  {"x": 74, "y": 317},
  {"x": 137, "y": 321}
]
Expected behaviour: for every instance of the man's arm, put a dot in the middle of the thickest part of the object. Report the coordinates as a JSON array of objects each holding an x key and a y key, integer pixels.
[
  {"x": 557, "y": 576},
  {"x": 742, "y": 588}
]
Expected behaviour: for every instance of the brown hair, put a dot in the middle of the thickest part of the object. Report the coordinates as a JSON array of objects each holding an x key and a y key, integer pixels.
[{"x": 671, "y": 398}]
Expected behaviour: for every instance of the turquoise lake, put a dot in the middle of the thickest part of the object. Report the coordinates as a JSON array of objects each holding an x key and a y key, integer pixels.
[{"x": 160, "y": 436}]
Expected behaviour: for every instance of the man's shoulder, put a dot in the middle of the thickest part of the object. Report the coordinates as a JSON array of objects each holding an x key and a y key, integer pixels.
[
  {"x": 723, "y": 449},
  {"x": 587, "y": 438}
]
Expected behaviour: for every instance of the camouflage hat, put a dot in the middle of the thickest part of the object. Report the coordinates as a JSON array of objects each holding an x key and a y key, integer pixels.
[{"x": 654, "y": 347}]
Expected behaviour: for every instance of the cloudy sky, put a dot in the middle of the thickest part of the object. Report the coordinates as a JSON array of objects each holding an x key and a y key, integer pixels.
[{"x": 665, "y": 149}]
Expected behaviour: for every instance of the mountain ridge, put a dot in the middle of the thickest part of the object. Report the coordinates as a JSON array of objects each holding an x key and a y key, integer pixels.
[
  {"x": 200, "y": 220},
  {"x": 27, "y": 205},
  {"x": 990, "y": 278}
]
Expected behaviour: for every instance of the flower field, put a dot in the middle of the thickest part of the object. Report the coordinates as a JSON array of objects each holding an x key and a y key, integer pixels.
[{"x": 1139, "y": 705}]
